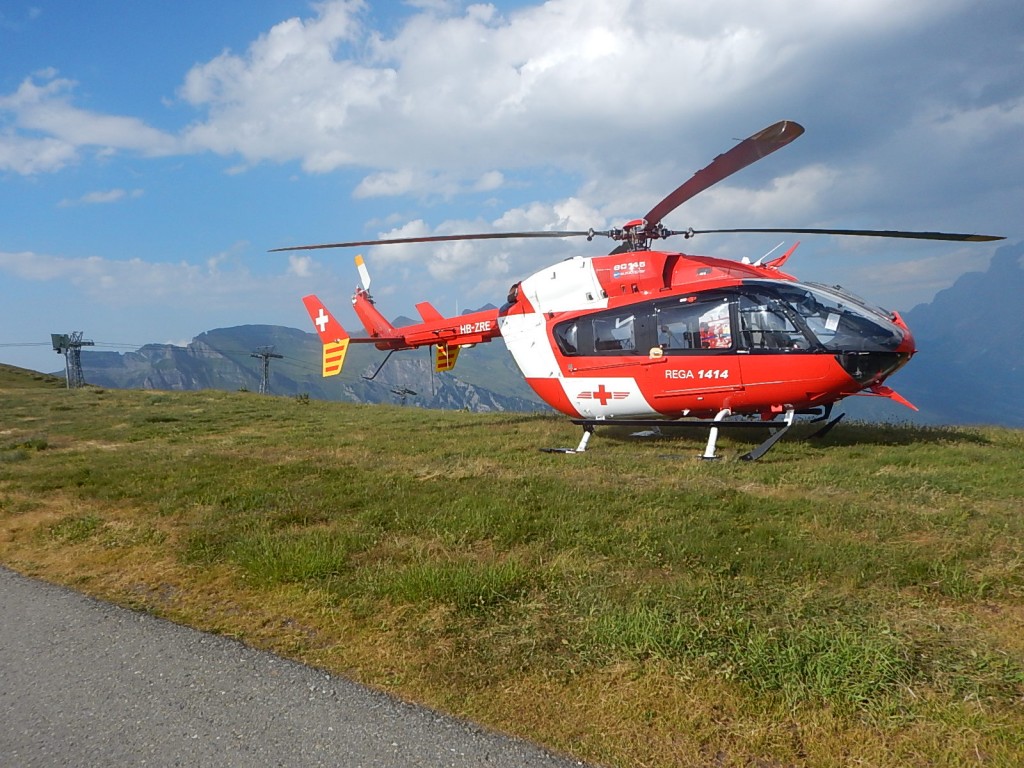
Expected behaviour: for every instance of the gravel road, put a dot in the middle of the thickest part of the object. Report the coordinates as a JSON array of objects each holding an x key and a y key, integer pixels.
[{"x": 85, "y": 683}]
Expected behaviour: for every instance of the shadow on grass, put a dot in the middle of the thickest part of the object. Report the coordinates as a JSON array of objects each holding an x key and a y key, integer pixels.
[
  {"x": 510, "y": 418},
  {"x": 846, "y": 434},
  {"x": 869, "y": 433}
]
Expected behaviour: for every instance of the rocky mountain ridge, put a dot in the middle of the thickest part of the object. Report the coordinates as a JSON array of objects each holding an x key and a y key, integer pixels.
[{"x": 968, "y": 369}]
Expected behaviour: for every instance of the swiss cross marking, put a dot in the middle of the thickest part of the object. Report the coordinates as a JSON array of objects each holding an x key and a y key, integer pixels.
[
  {"x": 603, "y": 395},
  {"x": 321, "y": 320}
]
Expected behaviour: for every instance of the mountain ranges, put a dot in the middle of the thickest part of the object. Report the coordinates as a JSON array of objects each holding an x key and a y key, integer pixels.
[{"x": 968, "y": 368}]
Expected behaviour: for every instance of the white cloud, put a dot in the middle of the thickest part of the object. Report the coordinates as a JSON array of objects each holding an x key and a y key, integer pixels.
[
  {"x": 800, "y": 196},
  {"x": 138, "y": 283},
  {"x": 912, "y": 281},
  {"x": 300, "y": 266},
  {"x": 289, "y": 97},
  {"x": 394, "y": 254},
  {"x": 625, "y": 98},
  {"x": 421, "y": 184},
  {"x": 102, "y": 197},
  {"x": 489, "y": 181},
  {"x": 50, "y": 131},
  {"x": 26, "y": 155},
  {"x": 967, "y": 127},
  {"x": 558, "y": 82},
  {"x": 571, "y": 213},
  {"x": 479, "y": 270},
  {"x": 457, "y": 97},
  {"x": 391, "y": 183}
]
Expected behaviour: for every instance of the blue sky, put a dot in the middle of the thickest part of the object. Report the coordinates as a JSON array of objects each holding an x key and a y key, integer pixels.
[{"x": 151, "y": 153}]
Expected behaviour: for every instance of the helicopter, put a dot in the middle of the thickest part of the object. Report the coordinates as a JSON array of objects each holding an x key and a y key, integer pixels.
[{"x": 650, "y": 338}]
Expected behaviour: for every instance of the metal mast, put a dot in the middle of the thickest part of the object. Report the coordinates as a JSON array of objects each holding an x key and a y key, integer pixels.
[
  {"x": 265, "y": 354},
  {"x": 70, "y": 345}
]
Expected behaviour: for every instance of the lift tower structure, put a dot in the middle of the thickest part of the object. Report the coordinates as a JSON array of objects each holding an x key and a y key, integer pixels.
[
  {"x": 265, "y": 354},
  {"x": 70, "y": 345}
]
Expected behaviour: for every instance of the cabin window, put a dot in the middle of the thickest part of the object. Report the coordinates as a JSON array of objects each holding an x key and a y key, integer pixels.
[
  {"x": 567, "y": 338},
  {"x": 615, "y": 333},
  {"x": 691, "y": 325},
  {"x": 618, "y": 332},
  {"x": 688, "y": 325}
]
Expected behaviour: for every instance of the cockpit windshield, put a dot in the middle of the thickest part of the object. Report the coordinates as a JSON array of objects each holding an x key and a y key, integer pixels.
[{"x": 837, "y": 320}]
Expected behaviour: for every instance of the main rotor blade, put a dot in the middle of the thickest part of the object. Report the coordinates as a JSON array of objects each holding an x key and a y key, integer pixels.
[
  {"x": 437, "y": 239},
  {"x": 856, "y": 233},
  {"x": 743, "y": 154}
]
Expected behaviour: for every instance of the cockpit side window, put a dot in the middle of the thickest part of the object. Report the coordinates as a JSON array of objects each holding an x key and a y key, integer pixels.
[
  {"x": 821, "y": 315},
  {"x": 766, "y": 326},
  {"x": 621, "y": 332}
]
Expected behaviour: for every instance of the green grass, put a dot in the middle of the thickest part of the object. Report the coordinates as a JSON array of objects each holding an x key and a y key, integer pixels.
[{"x": 866, "y": 592}]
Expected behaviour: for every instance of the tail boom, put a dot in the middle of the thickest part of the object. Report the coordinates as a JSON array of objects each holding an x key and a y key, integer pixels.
[
  {"x": 448, "y": 334},
  {"x": 451, "y": 332}
]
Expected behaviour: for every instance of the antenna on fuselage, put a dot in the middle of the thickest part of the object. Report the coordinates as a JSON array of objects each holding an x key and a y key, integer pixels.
[{"x": 759, "y": 261}]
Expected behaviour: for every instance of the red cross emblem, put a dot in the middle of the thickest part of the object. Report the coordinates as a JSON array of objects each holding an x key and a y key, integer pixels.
[{"x": 602, "y": 395}]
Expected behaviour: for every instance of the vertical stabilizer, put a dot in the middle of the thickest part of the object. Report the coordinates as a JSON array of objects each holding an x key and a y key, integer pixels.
[{"x": 334, "y": 338}]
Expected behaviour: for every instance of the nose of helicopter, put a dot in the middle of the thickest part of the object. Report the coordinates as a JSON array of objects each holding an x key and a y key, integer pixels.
[
  {"x": 882, "y": 365},
  {"x": 891, "y": 347},
  {"x": 907, "y": 346}
]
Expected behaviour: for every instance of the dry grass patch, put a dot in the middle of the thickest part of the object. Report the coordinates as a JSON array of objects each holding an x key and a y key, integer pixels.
[{"x": 858, "y": 602}]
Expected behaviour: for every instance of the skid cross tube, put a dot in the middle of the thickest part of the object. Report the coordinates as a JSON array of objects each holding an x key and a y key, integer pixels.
[{"x": 777, "y": 428}]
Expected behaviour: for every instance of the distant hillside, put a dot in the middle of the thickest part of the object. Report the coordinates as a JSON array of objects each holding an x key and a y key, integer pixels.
[
  {"x": 971, "y": 342},
  {"x": 22, "y": 378},
  {"x": 968, "y": 369},
  {"x": 484, "y": 380}
]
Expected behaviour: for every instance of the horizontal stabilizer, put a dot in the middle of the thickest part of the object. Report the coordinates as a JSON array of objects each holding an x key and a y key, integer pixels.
[{"x": 428, "y": 313}]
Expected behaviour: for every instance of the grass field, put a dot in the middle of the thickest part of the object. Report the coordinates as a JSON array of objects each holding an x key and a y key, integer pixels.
[{"x": 858, "y": 601}]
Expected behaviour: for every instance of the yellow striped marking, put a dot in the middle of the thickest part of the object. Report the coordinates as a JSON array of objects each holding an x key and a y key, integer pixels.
[{"x": 334, "y": 356}]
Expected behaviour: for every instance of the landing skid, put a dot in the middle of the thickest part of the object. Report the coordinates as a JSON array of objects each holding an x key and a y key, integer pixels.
[
  {"x": 588, "y": 431},
  {"x": 776, "y": 435},
  {"x": 777, "y": 429}
]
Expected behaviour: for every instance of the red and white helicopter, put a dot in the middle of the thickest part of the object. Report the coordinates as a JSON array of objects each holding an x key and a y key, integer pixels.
[{"x": 644, "y": 337}]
